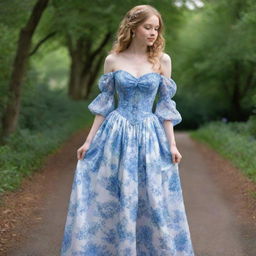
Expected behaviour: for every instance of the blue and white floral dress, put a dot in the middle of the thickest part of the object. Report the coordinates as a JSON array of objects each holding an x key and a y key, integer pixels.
[{"x": 126, "y": 197}]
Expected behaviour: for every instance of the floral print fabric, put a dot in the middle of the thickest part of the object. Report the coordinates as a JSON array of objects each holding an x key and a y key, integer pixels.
[{"x": 126, "y": 197}]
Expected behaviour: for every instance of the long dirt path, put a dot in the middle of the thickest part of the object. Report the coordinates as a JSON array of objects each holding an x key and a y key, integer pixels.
[{"x": 217, "y": 200}]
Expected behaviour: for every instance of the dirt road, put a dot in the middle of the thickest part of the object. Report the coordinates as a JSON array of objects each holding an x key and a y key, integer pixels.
[{"x": 216, "y": 195}]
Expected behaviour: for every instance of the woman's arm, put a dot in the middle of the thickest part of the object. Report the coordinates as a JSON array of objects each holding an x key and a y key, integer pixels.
[
  {"x": 98, "y": 119},
  {"x": 168, "y": 127}
]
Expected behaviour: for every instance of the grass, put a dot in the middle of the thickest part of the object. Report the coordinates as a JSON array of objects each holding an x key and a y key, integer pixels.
[
  {"x": 235, "y": 141},
  {"x": 46, "y": 122}
]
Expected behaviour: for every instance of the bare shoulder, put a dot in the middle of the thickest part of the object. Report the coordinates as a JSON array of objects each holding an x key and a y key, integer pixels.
[
  {"x": 109, "y": 62},
  {"x": 165, "y": 57},
  {"x": 166, "y": 64}
]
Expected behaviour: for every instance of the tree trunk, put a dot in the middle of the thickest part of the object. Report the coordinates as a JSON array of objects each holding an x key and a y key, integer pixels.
[
  {"x": 85, "y": 65},
  {"x": 75, "y": 76},
  {"x": 236, "y": 95},
  {"x": 12, "y": 109},
  {"x": 93, "y": 74},
  {"x": 77, "y": 64}
]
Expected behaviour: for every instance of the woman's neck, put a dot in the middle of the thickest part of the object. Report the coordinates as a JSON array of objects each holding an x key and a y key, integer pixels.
[{"x": 137, "y": 49}]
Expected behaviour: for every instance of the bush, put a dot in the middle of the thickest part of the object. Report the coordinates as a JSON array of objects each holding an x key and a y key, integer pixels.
[
  {"x": 236, "y": 141},
  {"x": 48, "y": 117}
]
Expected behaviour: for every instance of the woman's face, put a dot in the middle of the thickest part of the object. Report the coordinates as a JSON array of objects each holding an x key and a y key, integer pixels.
[{"x": 147, "y": 32}]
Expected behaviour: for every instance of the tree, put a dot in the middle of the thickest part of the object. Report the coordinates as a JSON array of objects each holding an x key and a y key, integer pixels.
[
  {"x": 11, "y": 112},
  {"x": 217, "y": 57},
  {"x": 88, "y": 28}
]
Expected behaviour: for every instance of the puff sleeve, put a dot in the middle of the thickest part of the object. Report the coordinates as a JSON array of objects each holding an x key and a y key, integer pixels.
[
  {"x": 104, "y": 103},
  {"x": 166, "y": 107}
]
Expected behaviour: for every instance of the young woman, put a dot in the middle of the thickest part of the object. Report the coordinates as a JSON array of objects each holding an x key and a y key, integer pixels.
[{"x": 126, "y": 198}]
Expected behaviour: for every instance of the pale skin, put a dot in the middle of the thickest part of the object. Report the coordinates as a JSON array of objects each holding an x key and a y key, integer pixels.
[{"x": 134, "y": 60}]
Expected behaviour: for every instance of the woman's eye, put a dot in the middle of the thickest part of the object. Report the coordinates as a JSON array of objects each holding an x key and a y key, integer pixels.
[{"x": 150, "y": 28}]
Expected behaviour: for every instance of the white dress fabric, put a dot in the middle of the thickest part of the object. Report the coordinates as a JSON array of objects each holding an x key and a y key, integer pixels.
[{"x": 126, "y": 197}]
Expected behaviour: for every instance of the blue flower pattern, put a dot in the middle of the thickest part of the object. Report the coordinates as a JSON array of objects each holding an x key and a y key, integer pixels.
[{"x": 126, "y": 197}]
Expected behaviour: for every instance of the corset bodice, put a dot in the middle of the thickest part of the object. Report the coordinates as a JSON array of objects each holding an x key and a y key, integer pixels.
[{"x": 136, "y": 95}]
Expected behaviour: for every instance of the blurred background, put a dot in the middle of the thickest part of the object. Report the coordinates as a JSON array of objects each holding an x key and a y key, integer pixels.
[{"x": 52, "y": 54}]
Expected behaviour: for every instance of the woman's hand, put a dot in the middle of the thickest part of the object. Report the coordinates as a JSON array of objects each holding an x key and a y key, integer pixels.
[
  {"x": 82, "y": 150},
  {"x": 176, "y": 156}
]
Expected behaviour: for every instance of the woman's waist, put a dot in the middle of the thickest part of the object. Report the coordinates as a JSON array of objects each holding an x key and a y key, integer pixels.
[{"x": 134, "y": 115}]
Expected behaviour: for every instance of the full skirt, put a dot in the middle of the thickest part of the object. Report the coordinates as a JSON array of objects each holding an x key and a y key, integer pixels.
[{"x": 126, "y": 197}]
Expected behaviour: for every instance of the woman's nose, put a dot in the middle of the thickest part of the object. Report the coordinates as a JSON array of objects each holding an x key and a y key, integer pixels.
[{"x": 152, "y": 34}]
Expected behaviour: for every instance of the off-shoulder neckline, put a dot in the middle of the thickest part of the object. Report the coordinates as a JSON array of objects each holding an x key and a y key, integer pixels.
[{"x": 137, "y": 78}]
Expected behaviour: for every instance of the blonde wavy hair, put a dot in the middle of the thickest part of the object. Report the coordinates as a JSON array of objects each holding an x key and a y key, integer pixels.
[{"x": 132, "y": 19}]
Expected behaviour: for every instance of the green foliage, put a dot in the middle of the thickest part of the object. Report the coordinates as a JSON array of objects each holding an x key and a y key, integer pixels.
[
  {"x": 14, "y": 13},
  {"x": 7, "y": 42},
  {"x": 214, "y": 59},
  {"x": 204, "y": 51},
  {"x": 236, "y": 141},
  {"x": 37, "y": 112},
  {"x": 48, "y": 118}
]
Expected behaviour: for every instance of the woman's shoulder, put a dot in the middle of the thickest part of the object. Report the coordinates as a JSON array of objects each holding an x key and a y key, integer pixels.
[
  {"x": 165, "y": 57},
  {"x": 166, "y": 64},
  {"x": 112, "y": 59}
]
